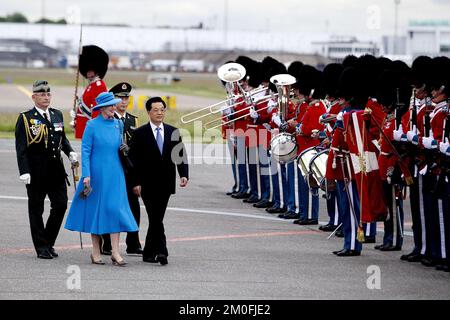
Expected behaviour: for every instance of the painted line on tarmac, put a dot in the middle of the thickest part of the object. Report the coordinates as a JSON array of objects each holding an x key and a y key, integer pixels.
[
  {"x": 24, "y": 90},
  {"x": 180, "y": 239},
  {"x": 222, "y": 213}
]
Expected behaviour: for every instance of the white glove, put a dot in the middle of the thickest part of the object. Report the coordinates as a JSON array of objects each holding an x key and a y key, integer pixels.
[
  {"x": 72, "y": 114},
  {"x": 226, "y": 111},
  {"x": 443, "y": 146},
  {"x": 411, "y": 133},
  {"x": 340, "y": 116},
  {"x": 271, "y": 105},
  {"x": 253, "y": 114},
  {"x": 276, "y": 119},
  {"x": 25, "y": 178},
  {"x": 429, "y": 142},
  {"x": 398, "y": 134},
  {"x": 73, "y": 157}
]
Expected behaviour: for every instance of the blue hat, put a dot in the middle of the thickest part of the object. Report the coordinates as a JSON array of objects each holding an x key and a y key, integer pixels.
[{"x": 105, "y": 99}]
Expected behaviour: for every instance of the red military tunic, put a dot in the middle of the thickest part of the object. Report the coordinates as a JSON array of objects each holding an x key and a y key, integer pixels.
[
  {"x": 85, "y": 105},
  {"x": 363, "y": 154},
  {"x": 438, "y": 117},
  {"x": 310, "y": 122}
]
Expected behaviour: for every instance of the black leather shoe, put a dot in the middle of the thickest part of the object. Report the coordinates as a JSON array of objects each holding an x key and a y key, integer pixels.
[
  {"x": 429, "y": 262},
  {"x": 291, "y": 215},
  {"x": 137, "y": 251},
  {"x": 251, "y": 200},
  {"x": 106, "y": 252},
  {"x": 405, "y": 257},
  {"x": 378, "y": 246},
  {"x": 339, "y": 233},
  {"x": 298, "y": 221},
  {"x": 369, "y": 240},
  {"x": 308, "y": 222},
  {"x": 415, "y": 257},
  {"x": 53, "y": 252},
  {"x": 391, "y": 248},
  {"x": 337, "y": 251},
  {"x": 262, "y": 204},
  {"x": 241, "y": 195},
  {"x": 162, "y": 259},
  {"x": 348, "y": 253},
  {"x": 328, "y": 227},
  {"x": 276, "y": 210},
  {"x": 44, "y": 255},
  {"x": 150, "y": 259}
]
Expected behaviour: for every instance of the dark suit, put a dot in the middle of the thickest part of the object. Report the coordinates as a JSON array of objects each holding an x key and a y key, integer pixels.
[
  {"x": 130, "y": 124},
  {"x": 38, "y": 146},
  {"x": 155, "y": 173}
]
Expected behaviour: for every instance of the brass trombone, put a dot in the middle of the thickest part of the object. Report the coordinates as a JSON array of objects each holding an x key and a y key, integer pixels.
[{"x": 231, "y": 74}]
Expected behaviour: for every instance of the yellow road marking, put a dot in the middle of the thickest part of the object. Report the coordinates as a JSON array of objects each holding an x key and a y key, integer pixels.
[{"x": 25, "y": 91}]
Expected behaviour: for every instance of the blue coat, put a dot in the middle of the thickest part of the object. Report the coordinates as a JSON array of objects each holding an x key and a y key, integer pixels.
[{"x": 106, "y": 209}]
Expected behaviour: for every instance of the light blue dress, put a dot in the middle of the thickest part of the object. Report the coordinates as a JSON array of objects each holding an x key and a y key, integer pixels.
[{"x": 106, "y": 209}]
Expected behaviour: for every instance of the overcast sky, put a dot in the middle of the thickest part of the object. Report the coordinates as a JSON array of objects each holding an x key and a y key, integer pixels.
[{"x": 371, "y": 17}]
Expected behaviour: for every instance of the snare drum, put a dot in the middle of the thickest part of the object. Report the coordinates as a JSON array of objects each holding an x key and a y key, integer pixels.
[
  {"x": 317, "y": 169},
  {"x": 304, "y": 159},
  {"x": 283, "y": 147}
]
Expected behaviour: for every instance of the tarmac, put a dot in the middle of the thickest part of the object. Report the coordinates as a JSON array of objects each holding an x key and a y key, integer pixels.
[{"x": 219, "y": 249}]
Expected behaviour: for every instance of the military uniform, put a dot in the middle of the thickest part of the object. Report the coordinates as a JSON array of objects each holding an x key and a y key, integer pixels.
[{"x": 39, "y": 142}]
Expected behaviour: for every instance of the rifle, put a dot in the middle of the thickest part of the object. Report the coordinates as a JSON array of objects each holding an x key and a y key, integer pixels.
[{"x": 77, "y": 77}]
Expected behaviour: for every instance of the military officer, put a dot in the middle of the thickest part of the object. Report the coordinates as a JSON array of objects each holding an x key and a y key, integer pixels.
[
  {"x": 122, "y": 91},
  {"x": 40, "y": 138}
]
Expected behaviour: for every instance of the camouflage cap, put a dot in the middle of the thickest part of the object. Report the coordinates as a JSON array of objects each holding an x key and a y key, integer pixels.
[{"x": 41, "y": 86}]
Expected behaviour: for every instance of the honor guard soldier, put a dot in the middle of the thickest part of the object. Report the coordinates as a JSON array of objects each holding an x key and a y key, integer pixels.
[
  {"x": 331, "y": 74},
  {"x": 122, "y": 91},
  {"x": 40, "y": 138},
  {"x": 93, "y": 64},
  {"x": 394, "y": 94},
  {"x": 437, "y": 197},
  {"x": 420, "y": 73}
]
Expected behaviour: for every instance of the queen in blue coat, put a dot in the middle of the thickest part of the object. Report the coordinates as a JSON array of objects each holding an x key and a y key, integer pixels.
[{"x": 106, "y": 208}]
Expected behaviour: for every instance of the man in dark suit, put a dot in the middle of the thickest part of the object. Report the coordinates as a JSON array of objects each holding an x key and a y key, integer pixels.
[
  {"x": 40, "y": 138},
  {"x": 157, "y": 152},
  {"x": 122, "y": 91}
]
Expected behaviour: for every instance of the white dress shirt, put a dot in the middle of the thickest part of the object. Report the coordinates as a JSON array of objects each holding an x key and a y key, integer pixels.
[
  {"x": 42, "y": 113},
  {"x": 160, "y": 131}
]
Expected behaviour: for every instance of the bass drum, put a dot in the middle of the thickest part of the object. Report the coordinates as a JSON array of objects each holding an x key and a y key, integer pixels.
[
  {"x": 304, "y": 159},
  {"x": 318, "y": 167},
  {"x": 283, "y": 147}
]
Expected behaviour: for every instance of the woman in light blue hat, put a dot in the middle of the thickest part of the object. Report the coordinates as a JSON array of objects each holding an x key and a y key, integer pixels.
[{"x": 105, "y": 209}]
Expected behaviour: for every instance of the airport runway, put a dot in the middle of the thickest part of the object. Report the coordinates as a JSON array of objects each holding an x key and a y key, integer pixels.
[{"x": 220, "y": 248}]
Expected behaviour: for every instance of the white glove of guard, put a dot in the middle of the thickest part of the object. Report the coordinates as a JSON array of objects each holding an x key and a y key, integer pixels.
[
  {"x": 226, "y": 111},
  {"x": 73, "y": 157},
  {"x": 276, "y": 119},
  {"x": 398, "y": 134},
  {"x": 429, "y": 143},
  {"x": 271, "y": 105},
  {"x": 443, "y": 146},
  {"x": 340, "y": 116},
  {"x": 25, "y": 178},
  {"x": 253, "y": 114},
  {"x": 411, "y": 133}
]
